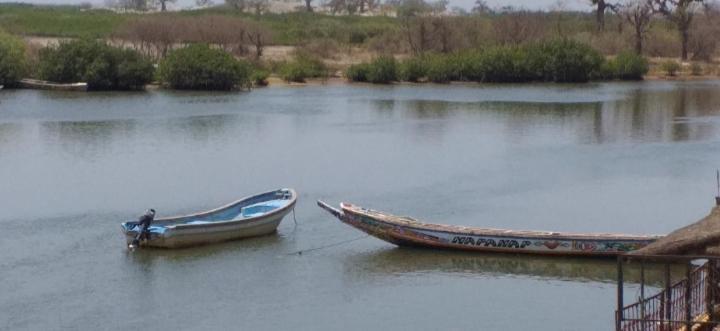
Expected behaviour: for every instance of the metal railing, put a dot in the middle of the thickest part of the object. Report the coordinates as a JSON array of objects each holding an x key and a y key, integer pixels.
[{"x": 684, "y": 304}]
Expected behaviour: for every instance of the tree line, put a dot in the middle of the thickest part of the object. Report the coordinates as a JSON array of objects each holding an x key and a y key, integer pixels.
[{"x": 639, "y": 13}]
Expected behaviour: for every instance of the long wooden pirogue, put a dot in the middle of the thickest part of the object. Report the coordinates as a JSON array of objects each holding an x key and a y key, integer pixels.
[
  {"x": 405, "y": 231},
  {"x": 45, "y": 85}
]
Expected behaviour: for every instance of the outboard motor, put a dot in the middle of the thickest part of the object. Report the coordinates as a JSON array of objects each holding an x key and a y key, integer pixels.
[{"x": 143, "y": 225}]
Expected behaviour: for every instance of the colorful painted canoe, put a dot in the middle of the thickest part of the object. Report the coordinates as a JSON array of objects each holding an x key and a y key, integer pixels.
[
  {"x": 248, "y": 217},
  {"x": 406, "y": 231}
]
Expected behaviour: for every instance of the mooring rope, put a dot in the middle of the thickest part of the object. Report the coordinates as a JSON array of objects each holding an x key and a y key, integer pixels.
[
  {"x": 295, "y": 223},
  {"x": 300, "y": 252}
]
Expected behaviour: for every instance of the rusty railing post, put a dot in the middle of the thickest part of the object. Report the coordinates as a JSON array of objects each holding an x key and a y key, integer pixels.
[
  {"x": 668, "y": 296},
  {"x": 642, "y": 295},
  {"x": 619, "y": 313},
  {"x": 688, "y": 301},
  {"x": 710, "y": 289}
]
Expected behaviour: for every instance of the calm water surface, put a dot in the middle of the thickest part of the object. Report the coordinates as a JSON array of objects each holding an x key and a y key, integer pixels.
[{"x": 616, "y": 157}]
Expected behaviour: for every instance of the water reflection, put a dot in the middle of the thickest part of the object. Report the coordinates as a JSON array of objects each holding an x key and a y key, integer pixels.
[
  {"x": 408, "y": 261},
  {"x": 86, "y": 139},
  {"x": 145, "y": 259},
  {"x": 641, "y": 116},
  {"x": 8, "y": 131},
  {"x": 205, "y": 128}
]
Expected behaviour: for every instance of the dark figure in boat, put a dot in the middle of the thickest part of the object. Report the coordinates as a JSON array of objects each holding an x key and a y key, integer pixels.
[{"x": 143, "y": 224}]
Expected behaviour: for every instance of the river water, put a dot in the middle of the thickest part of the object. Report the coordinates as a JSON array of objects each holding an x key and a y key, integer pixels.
[{"x": 609, "y": 157}]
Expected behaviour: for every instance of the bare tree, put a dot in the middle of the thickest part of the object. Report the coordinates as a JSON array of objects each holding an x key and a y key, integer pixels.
[
  {"x": 442, "y": 33},
  {"x": 639, "y": 14},
  {"x": 240, "y": 5},
  {"x": 163, "y": 4},
  {"x": 259, "y": 37},
  {"x": 259, "y": 6},
  {"x": 308, "y": 6},
  {"x": 204, "y": 3},
  {"x": 336, "y": 6},
  {"x": 518, "y": 27},
  {"x": 153, "y": 37},
  {"x": 481, "y": 7},
  {"x": 600, "y": 7},
  {"x": 366, "y": 5},
  {"x": 705, "y": 33},
  {"x": 680, "y": 13},
  {"x": 417, "y": 33},
  {"x": 223, "y": 31},
  {"x": 438, "y": 7},
  {"x": 128, "y": 4},
  {"x": 411, "y": 8},
  {"x": 351, "y": 7}
]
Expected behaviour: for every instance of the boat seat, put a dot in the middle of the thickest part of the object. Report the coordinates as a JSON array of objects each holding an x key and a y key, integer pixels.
[{"x": 261, "y": 208}]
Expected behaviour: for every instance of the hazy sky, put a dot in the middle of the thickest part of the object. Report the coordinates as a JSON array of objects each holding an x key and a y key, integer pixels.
[{"x": 529, "y": 4}]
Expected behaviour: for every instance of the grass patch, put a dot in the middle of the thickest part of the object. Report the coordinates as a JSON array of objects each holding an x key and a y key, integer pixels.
[
  {"x": 670, "y": 67},
  {"x": 59, "y": 21},
  {"x": 303, "y": 67},
  {"x": 287, "y": 28}
]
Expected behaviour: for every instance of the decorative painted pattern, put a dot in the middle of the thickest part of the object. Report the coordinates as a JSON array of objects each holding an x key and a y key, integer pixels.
[{"x": 402, "y": 235}]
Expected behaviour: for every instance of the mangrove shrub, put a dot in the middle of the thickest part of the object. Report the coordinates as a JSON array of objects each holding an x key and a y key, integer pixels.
[
  {"x": 557, "y": 61},
  {"x": 382, "y": 70},
  {"x": 625, "y": 66},
  {"x": 304, "y": 66},
  {"x": 440, "y": 68},
  {"x": 12, "y": 59},
  {"x": 569, "y": 61},
  {"x": 200, "y": 67},
  {"x": 411, "y": 70},
  {"x": 670, "y": 67},
  {"x": 358, "y": 72},
  {"x": 102, "y": 66}
]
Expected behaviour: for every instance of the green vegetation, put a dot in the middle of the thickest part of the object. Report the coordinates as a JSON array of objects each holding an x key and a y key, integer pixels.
[
  {"x": 12, "y": 59},
  {"x": 304, "y": 66},
  {"x": 287, "y": 29},
  {"x": 568, "y": 61},
  {"x": 358, "y": 72},
  {"x": 506, "y": 46},
  {"x": 670, "y": 67},
  {"x": 411, "y": 70},
  {"x": 299, "y": 27},
  {"x": 103, "y": 67},
  {"x": 625, "y": 66},
  {"x": 696, "y": 69},
  {"x": 443, "y": 69},
  {"x": 59, "y": 21},
  {"x": 556, "y": 61},
  {"x": 200, "y": 67},
  {"x": 438, "y": 33},
  {"x": 382, "y": 70},
  {"x": 259, "y": 77}
]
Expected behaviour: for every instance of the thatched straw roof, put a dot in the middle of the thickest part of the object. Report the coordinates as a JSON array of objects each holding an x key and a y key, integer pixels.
[{"x": 700, "y": 238}]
